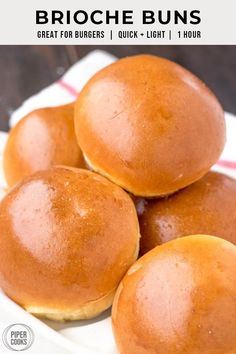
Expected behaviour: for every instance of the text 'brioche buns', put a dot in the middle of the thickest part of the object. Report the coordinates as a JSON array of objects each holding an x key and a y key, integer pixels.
[
  {"x": 179, "y": 298},
  {"x": 67, "y": 238},
  {"x": 206, "y": 207},
  {"x": 149, "y": 125},
  {"x": 43, "y": 138}
]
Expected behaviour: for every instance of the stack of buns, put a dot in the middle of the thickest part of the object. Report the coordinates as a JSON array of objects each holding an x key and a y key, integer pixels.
[{"x": 149, "y": 131}]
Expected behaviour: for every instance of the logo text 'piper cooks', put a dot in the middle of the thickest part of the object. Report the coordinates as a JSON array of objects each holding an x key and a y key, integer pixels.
[{"x": 18, "y": 337}]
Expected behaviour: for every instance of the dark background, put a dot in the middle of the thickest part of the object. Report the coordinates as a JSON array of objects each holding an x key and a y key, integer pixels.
[{"x": 24, "y": 70}]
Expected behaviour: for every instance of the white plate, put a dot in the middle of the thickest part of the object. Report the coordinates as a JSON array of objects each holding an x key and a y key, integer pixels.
[
  {"x": 78, "y": 337},
  {"x": 84, "y": 337}
]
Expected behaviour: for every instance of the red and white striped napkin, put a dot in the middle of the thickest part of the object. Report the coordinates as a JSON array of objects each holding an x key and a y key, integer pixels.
[{"x": 67, "y": 88}]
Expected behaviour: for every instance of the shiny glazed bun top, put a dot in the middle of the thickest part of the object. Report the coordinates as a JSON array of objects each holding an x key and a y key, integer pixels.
[
  {"x": 68, "y": 236},
  {"x": 180, "y": 298},
  {"x": 43, "y": 138},
  {"x": 149, "y": 125},
  {"x": 206, "y": 207}
]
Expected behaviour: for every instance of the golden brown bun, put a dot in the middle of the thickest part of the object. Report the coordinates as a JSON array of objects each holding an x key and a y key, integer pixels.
[
  {"x": 68, "y": 236},
  {"x": 149, "y": 125},
  {"x": 43, "y": 138},
  {"x": 179, "y": 298},
  {"x": 206, "y": 207}
]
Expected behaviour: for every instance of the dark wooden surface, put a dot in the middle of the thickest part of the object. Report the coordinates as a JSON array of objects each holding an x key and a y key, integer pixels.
[{"x": 24, "y": 70}]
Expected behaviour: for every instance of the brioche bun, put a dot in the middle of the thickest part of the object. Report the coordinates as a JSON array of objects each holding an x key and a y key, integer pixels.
[
  {"x": 206, "y": 207},
  {"x": 179, "y": 298},
  {"x": 149, "y": 125},
  {"x": 68, "y": 236},
  {"x": 43, "y": 138}
]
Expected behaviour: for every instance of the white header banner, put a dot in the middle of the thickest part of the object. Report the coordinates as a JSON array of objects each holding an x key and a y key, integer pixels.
[{"x": 121, "y": 22}]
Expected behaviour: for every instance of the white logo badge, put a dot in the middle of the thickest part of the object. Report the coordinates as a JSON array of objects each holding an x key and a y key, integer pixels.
[{"x": 18, "y": 337}]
